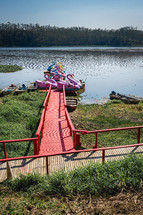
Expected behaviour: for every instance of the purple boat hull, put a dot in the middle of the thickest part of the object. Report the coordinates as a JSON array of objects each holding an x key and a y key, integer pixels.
[
  {"x": 68, "y": 86},
  {"x": 45, "y": 84}
]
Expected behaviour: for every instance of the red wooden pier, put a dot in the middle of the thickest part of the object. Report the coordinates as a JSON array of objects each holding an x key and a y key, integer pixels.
[
  {"x": 56, "y": 142},
  {"x": 56, "y": 133}
]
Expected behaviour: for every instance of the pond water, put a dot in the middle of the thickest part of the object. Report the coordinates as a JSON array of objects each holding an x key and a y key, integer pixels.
[{"x": 102, "y": 69}]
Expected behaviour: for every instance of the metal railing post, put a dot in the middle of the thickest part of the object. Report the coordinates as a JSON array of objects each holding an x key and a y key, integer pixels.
[
  {"x": 74, "y": 139},
  {"x": 35, "y": 147},
  {"x": 38, "y": 142},
  {"x": 96, "y": 134},
  {"x": 78, "y": 143}
]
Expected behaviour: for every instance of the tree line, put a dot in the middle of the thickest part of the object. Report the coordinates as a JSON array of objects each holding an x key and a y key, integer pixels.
[{"x": 34, "y": 35}]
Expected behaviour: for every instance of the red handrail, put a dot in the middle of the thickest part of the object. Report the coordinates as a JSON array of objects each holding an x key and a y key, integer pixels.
[
  {"x": 74, "y": 132},
  {"x": 70, "y": 152},
  {"x": 108, "y": 130},
  {"x": 40, "y": 127},
  {"x": 20, "y": 140},
  {"x": 64, "y": 94},
  {"x": 70, "y": 124},
  {"x": 36, "y": 141},
  {"x": 41, "y": 124},
  {"x": 45, "y": 104}
]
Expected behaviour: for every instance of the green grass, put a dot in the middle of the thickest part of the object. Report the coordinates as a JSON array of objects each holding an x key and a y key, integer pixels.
[
  {"x": 9, "y": 68},
  {"x": 19, "y": 118},
  {"x": 95, "y": 179},
  {"x": 52, "y": 194},
  {"x": 114, "y": 114},
  {"x": 69, "y": 192}
]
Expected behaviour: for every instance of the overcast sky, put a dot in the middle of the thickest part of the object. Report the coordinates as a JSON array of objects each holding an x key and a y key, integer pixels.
[{"x": 104, "y": 14}]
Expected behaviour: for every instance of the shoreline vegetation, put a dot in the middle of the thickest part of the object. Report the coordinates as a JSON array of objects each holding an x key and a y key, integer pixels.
[
  {"x": 23, "y": 112},
  {"x": 34, "y": 35},
  {"x": 93, "y": 189},
  {"x": 9, "y": 68}
]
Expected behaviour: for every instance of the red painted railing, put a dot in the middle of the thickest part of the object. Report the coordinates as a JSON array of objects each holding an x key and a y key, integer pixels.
[
  {"x": 73, "y": 151},
  {"x": 41, "y": 124},
  {"x": 76, "y": 133},
  {"x": 35, "y": 141},
  {"x": 77, "y": 143},
  {"x": 47, "y": 98},
  {"x": 76, "y": 137},
  {"x": 70, "y": 124}
]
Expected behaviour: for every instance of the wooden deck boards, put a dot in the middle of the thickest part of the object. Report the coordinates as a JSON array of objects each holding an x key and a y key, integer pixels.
[
  {"x": 56, "y": 133},
  {"x": 65, "y": 162},
  {"x": 23, "y": 167}
]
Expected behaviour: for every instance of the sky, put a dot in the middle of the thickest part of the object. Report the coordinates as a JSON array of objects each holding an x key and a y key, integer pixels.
[{"x": 94, "y": 14}]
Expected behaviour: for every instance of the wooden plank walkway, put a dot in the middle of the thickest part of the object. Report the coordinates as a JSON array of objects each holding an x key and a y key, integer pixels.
[
  {"x": 56, "y": 133},
  {"x": 65, "y": 162}
]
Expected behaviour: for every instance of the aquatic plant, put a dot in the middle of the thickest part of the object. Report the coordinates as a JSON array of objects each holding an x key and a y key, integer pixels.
[{"x": 9, "y": 68}]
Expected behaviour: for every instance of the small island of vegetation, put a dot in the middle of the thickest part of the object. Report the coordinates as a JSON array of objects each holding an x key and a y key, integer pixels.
[{"x": 9, "y": 68}]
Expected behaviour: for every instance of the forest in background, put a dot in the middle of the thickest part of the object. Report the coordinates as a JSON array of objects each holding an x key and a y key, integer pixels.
[{"x": 34, "y": 35}]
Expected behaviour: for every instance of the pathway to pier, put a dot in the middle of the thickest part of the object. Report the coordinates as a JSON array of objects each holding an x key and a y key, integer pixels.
[
  {"x": 56, "y": 139},
  {"x": 56, "y": 133}
]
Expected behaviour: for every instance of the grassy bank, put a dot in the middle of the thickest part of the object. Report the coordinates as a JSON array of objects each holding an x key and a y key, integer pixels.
[
  {"x": 9, "y": 68},
  {"x": 19, "y": 118},
  {"x": 81, "y": 190},
  {"x": 113, "y": 114},
  {"x": 110, "y": 188}
]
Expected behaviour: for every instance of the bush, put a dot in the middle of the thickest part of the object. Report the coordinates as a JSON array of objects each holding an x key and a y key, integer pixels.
[{"x": 95, "y": 179}]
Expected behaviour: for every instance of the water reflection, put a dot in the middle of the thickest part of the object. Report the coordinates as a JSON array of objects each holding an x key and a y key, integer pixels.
[{"x": 102, "y": 71}]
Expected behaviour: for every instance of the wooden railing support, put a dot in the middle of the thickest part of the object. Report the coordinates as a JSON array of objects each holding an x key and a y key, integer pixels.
[
  {"x": 74, "y": 140},
  {"x": 78, "y": 143},
  {"x": 139, "y": 135},
  {"x": 96, "y": 134},
  {"x": 103, "y": 156},
  {"x": 8, "y": 171},
  {"x": 36, "y": 152},
  {"x": 4, "y": 148},
  {"x": 47, "y": 165}
]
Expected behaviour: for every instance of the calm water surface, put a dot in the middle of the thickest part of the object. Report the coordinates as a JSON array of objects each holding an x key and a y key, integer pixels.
[{"x": 103, "y": 70}]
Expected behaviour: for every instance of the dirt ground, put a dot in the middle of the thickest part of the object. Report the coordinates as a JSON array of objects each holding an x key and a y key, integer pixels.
[{"x": 121, "y": 204}]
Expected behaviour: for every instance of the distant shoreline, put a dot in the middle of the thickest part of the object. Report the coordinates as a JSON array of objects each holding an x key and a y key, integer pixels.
[
  {"x": 79, "y": 48},
  {"x": 108, "y": 50}
]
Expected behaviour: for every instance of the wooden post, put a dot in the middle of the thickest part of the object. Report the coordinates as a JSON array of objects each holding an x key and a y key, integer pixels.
[
  {"x": 78, "y": 143},
  {"x": 38, "y": 143},
  {"x": 139, "y": 134},
  {"x": 103, "y": 156},
  {"x": 96, "y": 134},
  {"x": 74, "y": 140},
  {"x": 8, "y": 171},
  {"x": 35, "y": 147},
  {"x": 4, "y": 148},
  {"x": 47, "y": 166}
]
